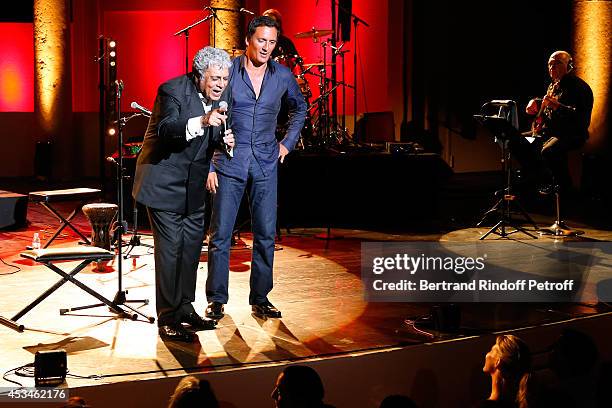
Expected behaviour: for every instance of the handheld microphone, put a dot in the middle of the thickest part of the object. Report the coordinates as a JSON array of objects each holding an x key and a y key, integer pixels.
[
  {"x": 228, "y": 149},
  {"x": 142, "y": 109}
]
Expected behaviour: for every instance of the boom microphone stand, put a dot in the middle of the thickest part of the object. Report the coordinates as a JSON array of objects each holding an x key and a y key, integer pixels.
[
  {"x": 356, "y": 21},
  {"x": 186, "y": 32}
]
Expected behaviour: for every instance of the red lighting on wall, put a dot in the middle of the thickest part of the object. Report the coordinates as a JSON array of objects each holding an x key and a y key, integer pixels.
[
  {"x": 150, "y": 53},
  {"x": 16, "y": 67},
  {"x": 372, "y": 66}
]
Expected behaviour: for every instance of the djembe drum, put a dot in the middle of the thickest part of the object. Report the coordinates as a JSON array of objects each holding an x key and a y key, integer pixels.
[{"x": 100, "y": 216}]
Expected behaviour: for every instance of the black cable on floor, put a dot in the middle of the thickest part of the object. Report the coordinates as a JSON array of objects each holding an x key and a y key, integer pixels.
[
  {"x": 17, "y": 268},
  {"x": 26, "y": 370}
]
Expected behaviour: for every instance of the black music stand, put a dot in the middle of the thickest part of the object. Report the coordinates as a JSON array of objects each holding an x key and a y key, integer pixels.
[{"x": 503, "y": 131}]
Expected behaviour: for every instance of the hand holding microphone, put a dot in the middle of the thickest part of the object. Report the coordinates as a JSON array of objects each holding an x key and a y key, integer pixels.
[{"x": 228, "y": 137}]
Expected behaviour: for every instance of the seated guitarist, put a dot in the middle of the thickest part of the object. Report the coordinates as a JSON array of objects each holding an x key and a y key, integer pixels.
[{"x": 562, "y": 119}]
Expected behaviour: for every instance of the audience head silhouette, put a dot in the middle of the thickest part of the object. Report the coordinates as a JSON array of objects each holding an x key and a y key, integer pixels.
[
  {"x": 509, "y": 365},
  {"x": 573, "y": 354},
  {"x": 192, "y": 392},
  {"x": 298, "y": 387},
  {"x": 76, "y": 402}
]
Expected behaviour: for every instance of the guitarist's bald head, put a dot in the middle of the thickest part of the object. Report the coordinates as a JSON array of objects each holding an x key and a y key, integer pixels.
[{"x": 559, "y": 64}]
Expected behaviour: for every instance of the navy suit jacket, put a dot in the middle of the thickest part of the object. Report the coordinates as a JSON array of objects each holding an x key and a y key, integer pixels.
[
  {"x": 171, "y": 172},
  {"x": 253, "y": 121}
]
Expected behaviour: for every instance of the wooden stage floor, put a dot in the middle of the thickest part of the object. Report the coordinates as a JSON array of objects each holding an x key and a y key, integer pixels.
[{"x": 317, "y": 287}]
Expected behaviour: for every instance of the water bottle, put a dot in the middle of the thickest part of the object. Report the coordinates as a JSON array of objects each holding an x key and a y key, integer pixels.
[{"x": 36, "y": 241}]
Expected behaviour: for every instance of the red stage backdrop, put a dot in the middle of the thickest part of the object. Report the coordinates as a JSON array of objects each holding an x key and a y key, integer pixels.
[
  {"x": 16, "y": 67},
  {"x": 148, "y": 53},
  {"x": 372, "y": 45}
]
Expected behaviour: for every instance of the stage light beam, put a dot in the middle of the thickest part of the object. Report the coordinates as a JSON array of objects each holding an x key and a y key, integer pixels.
[{"x": 593, "y": 57}]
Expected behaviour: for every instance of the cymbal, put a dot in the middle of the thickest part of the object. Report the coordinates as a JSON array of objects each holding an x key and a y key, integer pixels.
[
  {"x": 318, "y": 64},
  {"x": 314, "y": 33}
]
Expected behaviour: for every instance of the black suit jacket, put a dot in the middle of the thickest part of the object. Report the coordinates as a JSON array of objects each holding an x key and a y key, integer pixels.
[{"x": 171, "y": 172}]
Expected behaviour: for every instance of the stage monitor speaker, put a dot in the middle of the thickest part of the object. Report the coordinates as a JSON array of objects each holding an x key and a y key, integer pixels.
[
  {"x": 13, "y": 209},
  {"x": 50, "y": 368},
  {"x": 376, "y": 127}
]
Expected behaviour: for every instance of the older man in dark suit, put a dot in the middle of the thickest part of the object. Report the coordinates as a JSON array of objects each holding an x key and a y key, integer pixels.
[{"x": 170, "y": 181}]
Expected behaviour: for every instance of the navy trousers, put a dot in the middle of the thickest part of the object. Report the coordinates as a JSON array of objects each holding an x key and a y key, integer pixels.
[
  {"x": 178, "y": 244},
  {"x": 262, "y": 193}
]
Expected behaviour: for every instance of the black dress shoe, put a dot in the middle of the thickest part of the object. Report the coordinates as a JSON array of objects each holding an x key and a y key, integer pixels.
[
  {"x": 265, "y": 310},
  {"x": 215, "y": 311},
  {"x": 175, "y": 332},
  {"x": 197, "y": 322}
]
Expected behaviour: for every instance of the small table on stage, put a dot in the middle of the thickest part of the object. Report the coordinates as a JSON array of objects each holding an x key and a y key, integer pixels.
[{"x": 45, "y": 198}]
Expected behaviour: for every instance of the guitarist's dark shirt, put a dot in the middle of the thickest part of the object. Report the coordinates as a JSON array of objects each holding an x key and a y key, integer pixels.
[{"x": 565, "y": 123}]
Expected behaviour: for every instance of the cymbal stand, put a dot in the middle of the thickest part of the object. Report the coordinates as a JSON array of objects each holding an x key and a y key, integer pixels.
[
  {"x": 339, "y": 51},
  {"x": 325, "y": 127},
  {"x": 323, "y": 84},
  {"x": 341, "y": 134},
  {"x": 319, "y": 110}
]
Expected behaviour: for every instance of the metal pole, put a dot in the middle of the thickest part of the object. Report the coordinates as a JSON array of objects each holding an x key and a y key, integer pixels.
[
  {"x": 334, "y": 27},
  {"x": 355, "y": 22}
]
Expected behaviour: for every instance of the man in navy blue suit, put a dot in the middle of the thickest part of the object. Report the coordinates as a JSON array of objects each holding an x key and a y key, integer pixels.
[
  {"x": 170, "y": 179},
  {"x": 259, "y": 86}
]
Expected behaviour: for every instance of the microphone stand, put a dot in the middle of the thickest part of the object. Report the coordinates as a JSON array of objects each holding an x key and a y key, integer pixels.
[
  {"x": 186, "y": 32},
  {"x": 356, "y": 21},
  {"x": 120, "y": 296},
  {"x": 135, "y": 238},
  {"x": 214, "y": 10},
  {"x": 120, "y": 301}
]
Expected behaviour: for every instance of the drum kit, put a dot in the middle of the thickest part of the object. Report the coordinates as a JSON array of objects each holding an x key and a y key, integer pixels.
[{"x": 321, "y": 129}]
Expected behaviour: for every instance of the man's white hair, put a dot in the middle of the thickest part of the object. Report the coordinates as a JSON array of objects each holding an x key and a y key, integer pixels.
[{"x": 210, "y": 57}]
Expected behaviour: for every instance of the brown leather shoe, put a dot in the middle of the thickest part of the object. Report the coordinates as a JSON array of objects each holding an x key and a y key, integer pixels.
[
  {"x": 198, "y": 322},
  {"x": 265, "y": 310},
  {"x": 175, "y": 332},
  {"x": 215, "y": 311}
]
